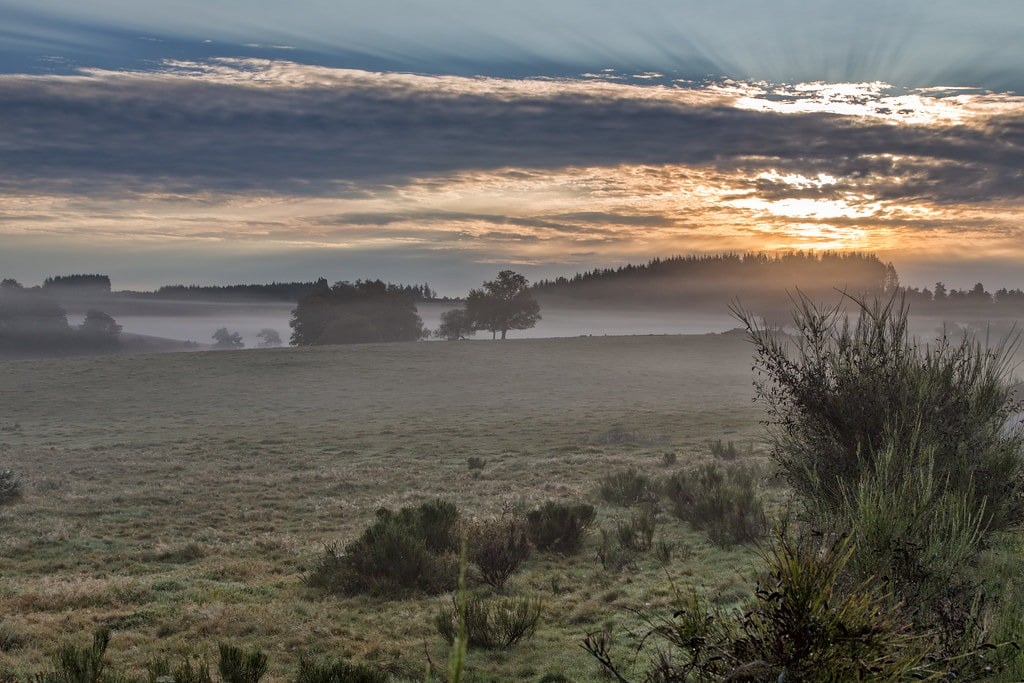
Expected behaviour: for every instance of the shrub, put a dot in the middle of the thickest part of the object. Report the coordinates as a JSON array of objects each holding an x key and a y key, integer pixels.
[
  {"x": 337, "y": 671},
  {"x": 491, "y": 622},
  {"x": 842, "y": 393},
  {"x": 722, "y": 502},
  {"x": 160, "y": 669},
  {"x": 399, "y": 553},
  {"x": 559, "y": 527},
  {"x": 619, "y": 549},
  {"x": 82, "y": 664},
  {"x": 238, "y": 666},
  {"x": 638, "y": 532},
  {"x": 625, "y": 487},
  {"x": 611, "y": 552},
  {"x": 10, "y": 486},
  {"x": 805, "y": 625},
  {"x": 726, "y": 452},
  {"x": 904, "y": 447},
  {"x": 436, "y": 522},
  {"x": 497, "y": 548}
]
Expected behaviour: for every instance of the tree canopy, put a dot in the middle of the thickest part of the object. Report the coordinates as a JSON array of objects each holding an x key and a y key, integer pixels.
[
  {"x": 354, "y": 313},
  {"x": 455, "y": 324},
  {"x": 503, "y": 304},
  {"x": 99, "y": 329},
  {"x": 227, "y": 340}
]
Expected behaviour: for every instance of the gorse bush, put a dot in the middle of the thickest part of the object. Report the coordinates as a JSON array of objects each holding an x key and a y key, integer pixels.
[
  {"x": 400, "y": 553},
  {"x": 160, "y": 670},
  {"x": 842, "y": 393},
  {"x": 559, "y": 527},
  {"x": 804, "y": 625},
  {"x": 10, "y": 487},
  {"x": 722, "y": 502},
  {"x": 338, "y": 671},
  {"x": 725, "y": 452},
  {"x": 619, "y": 548},
  {"x": 638, "y": 532},
  {"x": 611, "y": 552},
  {"x": 906, "y": 449},
  {"x": 625, "y": 487},
  {"x": 491, "y": 622},
  {"x": 83, "y": 664},
  {"x": 497, "y": 548},
  {"x": 239, "y": 666}
]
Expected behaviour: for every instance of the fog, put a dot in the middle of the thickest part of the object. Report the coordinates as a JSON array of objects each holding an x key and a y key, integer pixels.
[{"x": 248, "y": 320}]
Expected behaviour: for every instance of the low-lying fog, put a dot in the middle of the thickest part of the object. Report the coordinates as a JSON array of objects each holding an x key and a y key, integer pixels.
[{"x": 249, "y": 319}]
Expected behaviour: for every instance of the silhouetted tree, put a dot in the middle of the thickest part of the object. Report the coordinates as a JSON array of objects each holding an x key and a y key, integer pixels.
[
  {"x": 503, "y": 304},
  {"x": 71, "y": 283},
  {"x": 99, "y": 329},
  {"x": 227, "y": 340},
  {"x": 268, "y": 338},
  {"x": 367, "y": 311},
  {"x": 455, "y": 324},
  {"x": 31, "y": 320}
]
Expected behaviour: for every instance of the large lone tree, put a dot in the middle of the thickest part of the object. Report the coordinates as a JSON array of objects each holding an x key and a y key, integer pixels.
[{"x": 503, "y": 304}]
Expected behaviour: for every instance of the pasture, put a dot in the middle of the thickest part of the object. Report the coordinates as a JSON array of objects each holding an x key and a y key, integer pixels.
[{"x": 181, "y": 498}]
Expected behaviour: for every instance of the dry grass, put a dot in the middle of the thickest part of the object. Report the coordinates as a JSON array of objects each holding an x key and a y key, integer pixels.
[{"x": 180, "y": 498}]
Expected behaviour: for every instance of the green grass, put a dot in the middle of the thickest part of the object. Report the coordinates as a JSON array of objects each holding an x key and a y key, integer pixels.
[{"x": 181, "y": 498}]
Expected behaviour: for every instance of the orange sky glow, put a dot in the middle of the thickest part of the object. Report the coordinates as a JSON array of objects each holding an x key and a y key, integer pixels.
[{"x": 567, "y": 210}]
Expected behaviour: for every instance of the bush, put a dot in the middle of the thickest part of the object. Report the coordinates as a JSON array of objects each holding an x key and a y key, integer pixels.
[
  {"x": 625, "y": 487},
  {"x": 82, "y": 664},
  {"x": 904, "y": 447},
  {"x": 491, "y": 623},
  {"x": 159, "y": 670},
  {"x": 559, "y": 527},
  {"x": 726, "y": 452},
  {"x": 10, "y": 487},
  {"x": 722, "y": 502},
  {"x": 805, "y": 625},
  {"x": 403, "y": 552},
  {"x": 611, "y": 553},
  {"x": 842, "y": 394},
  {"x": 238, "y": 666},
  {"x": 497, "y": 548},
  {"x": 338, "y": 671}
]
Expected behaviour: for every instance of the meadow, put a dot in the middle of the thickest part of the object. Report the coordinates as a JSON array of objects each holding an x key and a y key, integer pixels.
[{"x": 181, "y": 499}]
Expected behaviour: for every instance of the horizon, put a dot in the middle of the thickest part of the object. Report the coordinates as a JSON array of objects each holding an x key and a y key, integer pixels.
[{"x": 449, "y": 141}]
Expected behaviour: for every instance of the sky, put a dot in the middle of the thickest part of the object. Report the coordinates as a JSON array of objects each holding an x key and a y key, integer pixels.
[{"x": 230, "y": 141}]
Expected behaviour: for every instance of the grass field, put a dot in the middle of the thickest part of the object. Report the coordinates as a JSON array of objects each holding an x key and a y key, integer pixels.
[{"x": 180, "y": 498}]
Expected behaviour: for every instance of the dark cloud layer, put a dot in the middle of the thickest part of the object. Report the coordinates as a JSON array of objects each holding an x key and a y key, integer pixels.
[{"x": 196, "y": 132}]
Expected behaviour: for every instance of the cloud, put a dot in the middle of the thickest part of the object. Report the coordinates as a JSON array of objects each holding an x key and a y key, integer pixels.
[
  {"x": 252, "y": 125},
  {"x": 274, "y": 155}
]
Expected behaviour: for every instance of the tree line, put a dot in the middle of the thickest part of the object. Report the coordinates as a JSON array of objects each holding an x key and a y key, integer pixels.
[
  {"x": 710, "y": 281},
  {"x": 373, "y": 311},
  {"x": 31, "y": 321}
]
